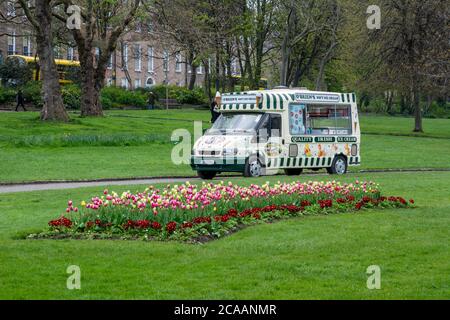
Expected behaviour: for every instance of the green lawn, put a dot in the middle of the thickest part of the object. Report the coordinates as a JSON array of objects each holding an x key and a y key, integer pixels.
[
  {"x": 307, "y": 258},
  {"x": 435, "y": 128},
  {"x": 142, "y": 122},
  {"x": 75, "y": 163},
  {"x": 137, "y": 143},
  {"x": 136, "y": 122}
]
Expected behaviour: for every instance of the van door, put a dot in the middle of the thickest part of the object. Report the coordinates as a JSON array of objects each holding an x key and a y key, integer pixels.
[{"x": 271, "y": 142}]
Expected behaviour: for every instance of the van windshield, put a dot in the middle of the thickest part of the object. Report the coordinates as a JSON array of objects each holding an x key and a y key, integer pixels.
[{"x": 236, "y": 123}]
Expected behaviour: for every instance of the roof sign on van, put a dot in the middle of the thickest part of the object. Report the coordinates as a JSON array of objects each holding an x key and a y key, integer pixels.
[
  {"x": 239, "y": 99},
  {"x": 317, "y": 97}
]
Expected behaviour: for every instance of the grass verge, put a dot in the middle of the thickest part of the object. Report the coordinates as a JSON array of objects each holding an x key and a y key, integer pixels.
[{"x": 315, "y": 258}]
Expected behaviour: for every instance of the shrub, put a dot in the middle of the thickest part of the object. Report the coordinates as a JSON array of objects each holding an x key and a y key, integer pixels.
[
  {"x": 32, "y": 93},
  {"x": 110, "y": 97},
  {"x": 106, "y": 102},
  {"x": 196, "y": 96},
  {"x": 181, "y": 94},
  {"x": 7, "y": 95},
  {"x": 71, "y": 96},
  {"x": 119, "y": 97},
  {"x": 15, "y": 72}
]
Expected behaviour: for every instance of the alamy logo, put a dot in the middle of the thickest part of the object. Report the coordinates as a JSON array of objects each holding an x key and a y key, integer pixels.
[
  {"x": 74, "y": 280},
  {"x": 374, "y": 20},
  {"x": 374, "y": 279},
  {"x": 74, "y": 20}
]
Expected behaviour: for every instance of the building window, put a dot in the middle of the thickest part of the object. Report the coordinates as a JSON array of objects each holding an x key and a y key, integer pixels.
[
  {"x": 234, "y": 67},
  {"x": 124, "y": 83},
  {"x": 110, "y": 62},
  {"x": 10, "y": 9},
  {"x": 178, "y": 62},
  {"x": 166, "y": 61},
  {"x": 137, "y": 57},
  {"x": 138, "y": 27},
  {"x": 124, "y": 56},
  {"x": 137, "y": 83},
  {"x": 57, "y": 52},
  {"x": 150, "y": 59},
  {"x": 97, "y": 54},
  {"x": 70, "y": 53},
  {"x": 27, "y": 46},
  {"x": 150, "y": 27},
  {"x": 149, "y": 83},
  {"x": 200, "y": 69},
  {"x": 12, "y": 44}
]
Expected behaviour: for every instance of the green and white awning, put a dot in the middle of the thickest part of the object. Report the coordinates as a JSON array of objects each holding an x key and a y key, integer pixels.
[
  {"x": 278, "y": 100},
  {"x": 256, "y": 101}
]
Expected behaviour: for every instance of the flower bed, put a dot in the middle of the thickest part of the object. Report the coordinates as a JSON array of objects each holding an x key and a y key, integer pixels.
[{"x": 198, "y": 213}]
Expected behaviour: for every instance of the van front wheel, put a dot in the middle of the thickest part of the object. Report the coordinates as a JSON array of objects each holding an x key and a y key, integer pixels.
[
  {"x": 206, "y": 175},
  {"x": 339, "y": 166},
  {"x": 253, "y": 167}
]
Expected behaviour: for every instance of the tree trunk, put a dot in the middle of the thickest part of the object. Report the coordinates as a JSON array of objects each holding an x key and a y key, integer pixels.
[
  {"x": 417, "y": 112},
  {"x": 90, "y": 85},
  {"x": 217, "y": 69},
  {"x": 207, "y": 81},
  {"x": 53, "y": 108},
  {"x": 229, "y": 84},
  {"x": 403, "y": 104},
  {"x": 258, "y": 69},
  {"x": 193, "y": 77},
  {"x": 186, "y": 71},
  {"x": 285, "y": 47},
  {"x": 389, "y": 101},
  {"x": 320, "y": 81},
  {"x": 248, "y": 69}
]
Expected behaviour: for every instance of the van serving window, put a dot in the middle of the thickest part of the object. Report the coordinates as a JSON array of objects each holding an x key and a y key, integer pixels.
[
  {"x": 328, "y": 120},
  {"x": 297, "y": 119}
]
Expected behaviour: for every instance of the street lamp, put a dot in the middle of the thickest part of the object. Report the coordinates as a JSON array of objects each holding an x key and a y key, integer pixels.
[{"x": 167, "y": 87}]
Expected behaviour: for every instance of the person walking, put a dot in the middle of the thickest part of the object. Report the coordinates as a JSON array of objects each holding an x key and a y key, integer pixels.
[
  {"x": 20, "y": 101},
  {"x": 151, "y": 100},
  {"x": 214, "y": 111}
]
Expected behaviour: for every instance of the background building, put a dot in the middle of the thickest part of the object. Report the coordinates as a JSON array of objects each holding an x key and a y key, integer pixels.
[{"x": 141, "y": 60}]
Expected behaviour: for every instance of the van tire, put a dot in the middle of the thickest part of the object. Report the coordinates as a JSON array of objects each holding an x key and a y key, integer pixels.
[
  {"x": 293, "y": 172},
  {"x": 339, "y": 166},
  {"x": 207, "y": 175},
  {"x": 253, "y": 167}
]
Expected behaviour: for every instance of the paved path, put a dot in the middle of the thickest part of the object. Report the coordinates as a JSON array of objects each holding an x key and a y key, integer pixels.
[
  {"x": 62, "y": 185},
  {"x": 80, "y": 184}
]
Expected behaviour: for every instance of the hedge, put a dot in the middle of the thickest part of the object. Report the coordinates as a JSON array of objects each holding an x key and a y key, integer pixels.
[
  {"x": 111, "y": 97},
  {"x": 7, "y": 95}
]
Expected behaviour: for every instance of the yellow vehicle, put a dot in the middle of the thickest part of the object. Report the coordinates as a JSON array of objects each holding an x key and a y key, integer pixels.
[
  {"x": 239, "y": 86},
  {"x": 66, "y": 68}
]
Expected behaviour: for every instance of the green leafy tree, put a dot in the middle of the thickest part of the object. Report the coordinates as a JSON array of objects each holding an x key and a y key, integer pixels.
[{"x": 14, "y": 72}]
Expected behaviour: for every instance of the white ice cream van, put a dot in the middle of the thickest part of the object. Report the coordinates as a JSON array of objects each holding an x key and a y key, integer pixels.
[{"x": 260, "y": 132}]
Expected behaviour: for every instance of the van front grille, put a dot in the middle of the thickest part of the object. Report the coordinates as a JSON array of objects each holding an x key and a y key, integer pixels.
[{"x": 210, "y": 153}]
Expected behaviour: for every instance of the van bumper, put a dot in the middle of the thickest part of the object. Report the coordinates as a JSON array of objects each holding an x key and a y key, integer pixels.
[{"x": 218, "y": 164}]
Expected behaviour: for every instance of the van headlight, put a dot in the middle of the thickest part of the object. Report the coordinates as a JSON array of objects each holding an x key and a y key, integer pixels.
[{"x": 229, "y": 152}]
